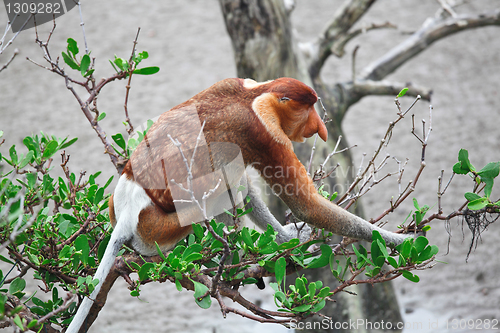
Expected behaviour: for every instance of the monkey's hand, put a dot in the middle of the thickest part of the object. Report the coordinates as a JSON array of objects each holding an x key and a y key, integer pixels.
[{"x": 299, "y": 230}]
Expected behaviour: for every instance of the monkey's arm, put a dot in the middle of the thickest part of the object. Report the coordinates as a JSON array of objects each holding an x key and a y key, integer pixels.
[
  {"x": 308, "y": 205},
  {"x": 261, "y": 216}
]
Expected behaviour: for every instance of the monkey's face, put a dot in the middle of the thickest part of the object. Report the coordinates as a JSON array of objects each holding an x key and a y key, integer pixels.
[{"x": 299, "y": 121}]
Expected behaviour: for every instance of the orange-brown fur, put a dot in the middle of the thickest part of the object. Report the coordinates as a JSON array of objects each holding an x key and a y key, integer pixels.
[
  {"x": 227, "y": 109},
  {"x": 262, "y": 119}
]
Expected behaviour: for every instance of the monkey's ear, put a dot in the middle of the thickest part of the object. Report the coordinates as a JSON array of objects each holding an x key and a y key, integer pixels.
[{"x": 315, "y": 125}]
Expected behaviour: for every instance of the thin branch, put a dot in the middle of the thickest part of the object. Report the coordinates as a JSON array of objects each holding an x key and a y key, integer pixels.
[
  {"x": 131, "y": 64},
  {"x": 338, "y": 47},
  {"x": 7, "y": 28},
  {"x": 16, "y": 52},
  {"x": 431, "y": 31},
  {"x": 82, "y": 24},
  {"x": 383, "y": 142},
  {"x": 447, "y": 8},
  {"x": 362, "y": 88},
  {"x": 353, "y": 67},
  {"x": 344, "y": 18},
  {"x": 313, "y": 149}
]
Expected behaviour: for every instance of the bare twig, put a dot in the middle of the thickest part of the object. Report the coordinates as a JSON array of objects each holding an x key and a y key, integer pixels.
[
  {"x": 4, "y": 45},
  {"x": 82, "y": 24},
  {"x": 385, "y": 140},
  {"x": 131, "y": 64},
  {"x": 353, "y": 66},
  {"x": 16, "y": 52},
  {"x": 313, "y": 149}
]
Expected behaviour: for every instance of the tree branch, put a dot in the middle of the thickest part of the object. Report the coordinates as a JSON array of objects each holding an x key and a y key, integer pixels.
[
  {"x": 431, "y": 31},
  {"x": 364, "y": 88},
  {"x": 338, "y": 46},
  {"x": 345, "y": 17}
]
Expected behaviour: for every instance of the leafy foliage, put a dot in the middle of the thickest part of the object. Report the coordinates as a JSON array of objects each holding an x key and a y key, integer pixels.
[{"x": 484, "y": 176}]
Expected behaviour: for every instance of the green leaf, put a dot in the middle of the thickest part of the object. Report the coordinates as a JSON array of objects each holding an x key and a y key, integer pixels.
[
  {"x": 290, "y": 244},
  {"x": 98, "y": 195},
  {"x": 324, "y": 259},
  {"x": 392, "y": 262},
  {"x": 82, "y": 244},
  {"x": 200, "y": 290},
  {"x": 463, "y": 158},
  {"x": 280, "y": 269},
  {"x": 147, "y": 70},
  {"x": 102, "y": 247},
  {"x": 192, "y": 249},
  {"x": 426, "y": 228},
  {"x": 302, "y": 308},
  {"x": 434, "y": 249},
  {"x": 490, "y": 170},
  {"x": 457, "y": 168},
  {"x": 420, "y": 243},
  {"x": 101, "y": 116},
  {"x": 26, "y": 159},
  {"x": 178, "y": 285},
  {"x": 280, "y": 296},
  {"x": 245, "y": 235},
  {"x": 143, "y": 55},
  {"x": 72, "y": 46},
  {"x": 144, "y": 271},
  {"x": 69, "y": 143},
  {"x": 471, "y": 196},
  {"x": 18, "y": 322},
  {"x": 114, "y": 67},
  {"x": 312, "y": 290},
  {"x": 32, "y": 323},
  {"x": 13, "y": 155},
  {"x": 70, "y": 62},
  {"x": 50, "y": 149},
  {"x": 90, "y": 72},
  {"x": 2, "y": 258},
  {"x": 62, "y": 185},
  {"x": 121, "y": 64},
  {"x": 198, "y": 231},
  {"x": 402, "y": 92},
  {"x": 319, "y": 306},
  {"x": 415, "y": 204},
  {"x": 85, "y": 64},
  {"x": 489, "y": 186},
  {"x": 269, "y": 248},
  {"x": 478, "y": 204},
  {"x": 410, "y": 276},
  {"x": 17, "y": 286},
  {"x": 301, "y": 286},
  {"x": 193, "y": 257},
  {"x": 324, "y": 292},
  {"x": 426, "y": 254},
  {"x": 120, "y": 141}
]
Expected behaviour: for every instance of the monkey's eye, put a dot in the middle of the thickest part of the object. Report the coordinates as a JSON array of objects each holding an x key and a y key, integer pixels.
[{"x": 284, "y": 99}]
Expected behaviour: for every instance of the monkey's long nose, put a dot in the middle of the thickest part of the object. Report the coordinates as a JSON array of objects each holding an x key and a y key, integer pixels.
[{"x": 315, "y": 125}]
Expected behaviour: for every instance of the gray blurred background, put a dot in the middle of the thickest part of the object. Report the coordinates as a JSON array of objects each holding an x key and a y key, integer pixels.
[{"x": 188, "y": 40}]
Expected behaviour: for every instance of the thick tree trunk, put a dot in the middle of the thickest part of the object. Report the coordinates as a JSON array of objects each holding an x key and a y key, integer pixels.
[{"x": 265, "y": 49}]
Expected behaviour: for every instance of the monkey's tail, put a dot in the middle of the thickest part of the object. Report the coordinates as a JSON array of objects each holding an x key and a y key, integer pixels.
[{"x": 118, "y": 238}]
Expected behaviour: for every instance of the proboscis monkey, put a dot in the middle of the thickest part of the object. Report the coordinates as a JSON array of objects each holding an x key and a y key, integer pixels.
[{"x": 262, "y": 120}]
